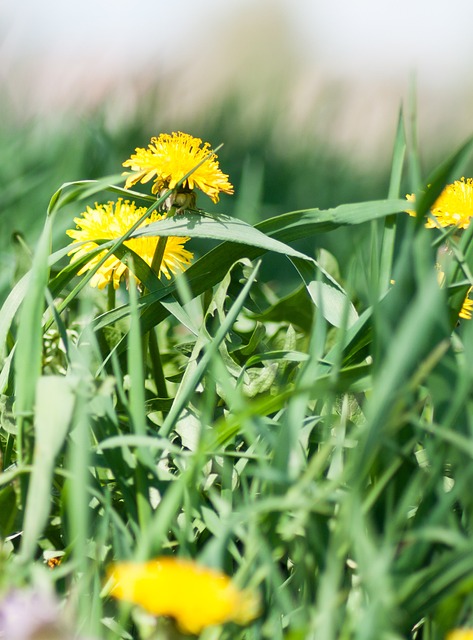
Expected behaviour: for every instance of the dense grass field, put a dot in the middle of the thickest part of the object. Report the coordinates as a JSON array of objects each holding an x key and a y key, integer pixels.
[{"x": 292, "y": 408}]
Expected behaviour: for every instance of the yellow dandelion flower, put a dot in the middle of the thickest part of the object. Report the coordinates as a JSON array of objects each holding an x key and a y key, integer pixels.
[
  {"x": 169, "y": 157},
  {"x": 453, "y": 207},
  {"x": 430, "y": 224},
  {"x": 467, "y": 307},
  {"x": 195, "y": 596},
  {"x": 410, "y": 197},
  {"x": 111, "y": 221},
  {"x": 460, "y": 634}
]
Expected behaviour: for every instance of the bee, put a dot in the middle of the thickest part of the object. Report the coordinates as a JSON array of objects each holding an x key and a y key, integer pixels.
[{"x": 54, "y": 562}]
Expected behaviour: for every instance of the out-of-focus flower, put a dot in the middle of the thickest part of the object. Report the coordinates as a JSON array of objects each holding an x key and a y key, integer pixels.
[
  {"x": 460, "y": 634},
  {"x": 467, "y": 307},
  {"x": 29, "y": 614},
  {"x": 453, "y": 207},
  {"x": 195, "y": 596},
  {"x": 111, "y": 221},
  {"x": 169, "y": 157}
]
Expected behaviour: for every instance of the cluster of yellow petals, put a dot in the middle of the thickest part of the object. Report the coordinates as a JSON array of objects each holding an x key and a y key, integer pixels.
[
  {"x": 467, "y": 308},
  {"x": 460, "y": 634},
  {"x": 170, "y": 157},
  {"x": 110, "y": 222},
  {"x": 453, "y": 207},
  {"x": 194, "y": 596},
  {"x": 166, "y": 161}
]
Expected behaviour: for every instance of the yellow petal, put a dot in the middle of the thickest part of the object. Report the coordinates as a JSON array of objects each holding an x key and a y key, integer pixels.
[{"x": 195, "y": 596}]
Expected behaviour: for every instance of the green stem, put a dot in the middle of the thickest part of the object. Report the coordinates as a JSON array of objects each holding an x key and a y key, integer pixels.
[
  {"x": 8, "y": 451},
  {"x": 111, "y": 296},
  {"x": 158, "y": 374},
  {"x": 158, "y": 255},
  {"x": 142, "y": 497},
  {"x": 161, "y": 246},
  {"x": 155, "y": 355},
  {"x": 144, "y": 352}
]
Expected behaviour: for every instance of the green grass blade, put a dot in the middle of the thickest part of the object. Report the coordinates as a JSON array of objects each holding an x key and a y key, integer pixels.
[
  {"x": 53, "y": 410},
  {"x": 388, "y": 233},
  {"x": 28, "y": 354}
]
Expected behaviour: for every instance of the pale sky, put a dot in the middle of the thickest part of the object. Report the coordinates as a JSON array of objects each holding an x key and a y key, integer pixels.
[
  {"x": 382, "y": 37},
  {"x": 429, "y": 37}
]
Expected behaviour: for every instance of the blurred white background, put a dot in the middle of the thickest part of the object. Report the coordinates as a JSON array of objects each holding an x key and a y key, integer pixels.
[
  {"x": 380, "y": 37},
  {"x": 57, "y": 55}
]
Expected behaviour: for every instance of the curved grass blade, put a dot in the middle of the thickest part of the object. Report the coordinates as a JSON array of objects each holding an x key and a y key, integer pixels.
[
  {"x": 54, "y": 405},
  {"x": 332, "y": 301},
  {"x": 389, "y": 231},
  {"x": 442, "y": 175},
  {"x": 218, "y": 227},
  {"x": 28, "y": 354},
  {"x": 82, "y": 189}
]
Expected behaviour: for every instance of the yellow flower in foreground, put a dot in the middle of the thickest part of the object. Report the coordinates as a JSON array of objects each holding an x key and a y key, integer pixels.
[
  {"x": 453, "y": 207},
  {"x": 169, "y": 157},
  {"x": 195, "y": 596},
  {"x": 460, "y": 634},
  {"x": 111, "y": 221}
]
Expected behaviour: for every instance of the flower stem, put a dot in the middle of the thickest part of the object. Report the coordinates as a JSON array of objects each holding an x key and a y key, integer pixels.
[
  {"x": 158, "y": 373},
  {"x": 111, "y": 296},
  {"x": 158, "y": 255},
  {"x": 155, "y": 355}
]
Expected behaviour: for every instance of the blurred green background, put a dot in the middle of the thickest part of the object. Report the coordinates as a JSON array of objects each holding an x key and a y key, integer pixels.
[{"x": 305, "y": 98}]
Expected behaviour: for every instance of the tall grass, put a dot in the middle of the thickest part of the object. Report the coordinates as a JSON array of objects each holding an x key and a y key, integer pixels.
[{"x": 314, "y": 444}]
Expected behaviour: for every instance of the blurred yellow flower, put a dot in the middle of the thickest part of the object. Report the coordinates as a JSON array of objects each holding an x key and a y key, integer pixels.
[
  {"x": 195, "y": 596},
  {"x": 169, "y": 157},
  {"x": 111, "y": 221},
  {"x": 453, "y": 207},
  {"x": 467, "y": 307},
  {"x": 460, "y": 634},
  {"x": 410, "y": 197}
]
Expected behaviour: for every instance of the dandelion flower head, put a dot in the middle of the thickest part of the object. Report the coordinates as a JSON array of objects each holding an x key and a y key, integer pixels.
[
  {"x": 110, "y": 222},
  {"x": 195, "y": 596},
  {"x": 453, "y": 207},
  {"x": 466, "y": 313},
  {"x": 460, "y": 634},
  {"x": 169, "y": 157}
]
